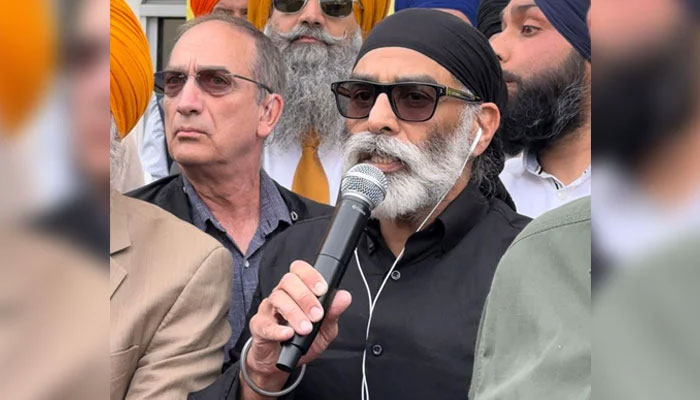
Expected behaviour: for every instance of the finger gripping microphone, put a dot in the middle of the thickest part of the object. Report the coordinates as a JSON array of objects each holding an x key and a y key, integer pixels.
[{"x": 363, "y": 187}]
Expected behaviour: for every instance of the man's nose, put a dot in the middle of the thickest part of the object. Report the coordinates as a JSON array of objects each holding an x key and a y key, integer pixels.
[
  {"x": 382, "y": 119},
  {"x": 312, "y": 14},
  {"x": 190, "y": 98}
]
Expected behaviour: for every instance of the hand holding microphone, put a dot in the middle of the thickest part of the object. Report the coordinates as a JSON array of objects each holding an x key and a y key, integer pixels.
[{"x": 307, "y": 298}]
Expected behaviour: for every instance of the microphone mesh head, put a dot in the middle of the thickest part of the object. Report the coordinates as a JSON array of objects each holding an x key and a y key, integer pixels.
[{"x": 367, "y": 181}]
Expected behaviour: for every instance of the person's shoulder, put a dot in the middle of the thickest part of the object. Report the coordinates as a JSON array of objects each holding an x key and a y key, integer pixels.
[
  {"x": 157, "y": 188},
  {"x": 577, "y": 212},
  {"x": 307, "y": 230},
  {"x": 508, "y": 216},
  {"x": 302, "y": 207},
  {"x": 162, "y": 234}
]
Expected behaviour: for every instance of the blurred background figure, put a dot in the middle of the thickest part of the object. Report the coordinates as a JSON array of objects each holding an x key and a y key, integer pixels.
[
  {"x": 55, "y": 315},
  {"x": 646, "y": 207},
  {"x": 463, "y": 9},
  {"x": 27, "y": 78},
  {"x": 545, "y": 53},
  {"x": 319, "y": 41},
  {"x": 83, "y": 217},
  {"x": 647, "y": 111}
]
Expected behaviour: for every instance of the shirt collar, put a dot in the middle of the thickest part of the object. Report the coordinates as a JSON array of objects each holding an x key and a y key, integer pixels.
[
  {"x": 532, "y": 165},
  {"x": 273, "y": 209},
  {"x": 451, "y": 226},
  {"x": 200, "y": 212},
  {"x": 462, "y": 215}
]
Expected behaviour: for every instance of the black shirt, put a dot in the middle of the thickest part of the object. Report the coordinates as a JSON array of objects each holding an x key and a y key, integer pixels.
[{"x": 424, "y": 326}]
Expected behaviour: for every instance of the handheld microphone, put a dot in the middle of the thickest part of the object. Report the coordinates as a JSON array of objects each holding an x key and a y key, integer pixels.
[{"x": 363, "y": 187}]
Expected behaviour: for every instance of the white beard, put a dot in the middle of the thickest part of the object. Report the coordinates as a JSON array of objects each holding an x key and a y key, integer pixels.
[
  {"x": 311, "y": 68},
  {"x": 430, "y": 169}
]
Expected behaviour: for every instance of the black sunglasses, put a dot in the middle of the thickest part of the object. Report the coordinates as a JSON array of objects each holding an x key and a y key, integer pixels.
[
  {"x": 410, "y": 101},
  {"x": 215, "y": 82},
  {"x": 332, "y": 8}
]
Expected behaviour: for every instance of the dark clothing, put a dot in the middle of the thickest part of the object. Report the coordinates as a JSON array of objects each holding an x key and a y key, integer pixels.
[
  {"x": 171, "y": 194},
  {"x": 488, "y": 19},
  {"x": 274, "y": 215},
  {"x": 424, "y": 326},
  {"x": 81, "y": 222}
]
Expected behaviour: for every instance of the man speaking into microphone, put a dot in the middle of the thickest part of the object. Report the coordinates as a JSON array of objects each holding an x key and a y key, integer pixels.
[{"x": 422, "y": 105}]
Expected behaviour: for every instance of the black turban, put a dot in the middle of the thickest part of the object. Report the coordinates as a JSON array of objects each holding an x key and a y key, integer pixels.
[
  {"x": 460, "y": 49},
  {"x": 569, "y": 18},
  {"x": 488, "y": 19}
]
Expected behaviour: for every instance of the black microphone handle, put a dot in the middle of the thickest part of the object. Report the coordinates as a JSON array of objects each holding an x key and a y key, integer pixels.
[{"x": 349, "y": 220}]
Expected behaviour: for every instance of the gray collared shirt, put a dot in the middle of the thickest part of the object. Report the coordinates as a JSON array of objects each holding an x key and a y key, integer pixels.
[{"x": 273, "y": 213}]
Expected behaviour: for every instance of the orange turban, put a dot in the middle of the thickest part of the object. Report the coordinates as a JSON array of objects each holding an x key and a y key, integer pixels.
[
  {"x": 371, "y": 12},
  {"x": 130, "y": 67},
  {"x": 201, "y": 7},
  {"x": 28, "y": 57}
]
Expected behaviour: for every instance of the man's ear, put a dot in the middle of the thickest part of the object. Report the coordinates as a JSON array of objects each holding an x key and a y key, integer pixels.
[
  {"x": 269, "y": 114},
  {"x": 488, "y": 119}
]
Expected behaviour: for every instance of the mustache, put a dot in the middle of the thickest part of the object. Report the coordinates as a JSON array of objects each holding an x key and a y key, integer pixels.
[
  {"x": 317, "y": 33},
  {"x": 367, "y": 144}
]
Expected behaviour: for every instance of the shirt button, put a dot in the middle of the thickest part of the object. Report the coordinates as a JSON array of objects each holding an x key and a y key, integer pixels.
[
  {"x": 377, "y": 350},
  {"x": 294, "y": 216},
  {"x": 562, "y": 195},
  {"x": 246, "y": 264},
  {"x": 395, "y": 275}
]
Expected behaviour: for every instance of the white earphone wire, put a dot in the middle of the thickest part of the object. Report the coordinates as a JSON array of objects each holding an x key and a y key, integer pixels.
[{"x": 373, "y": 302}]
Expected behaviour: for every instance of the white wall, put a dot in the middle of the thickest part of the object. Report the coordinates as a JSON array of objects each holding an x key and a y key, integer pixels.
[{"x": 135, "y": 6}]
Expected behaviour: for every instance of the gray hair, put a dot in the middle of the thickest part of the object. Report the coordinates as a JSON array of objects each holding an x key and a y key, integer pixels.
[
  {"x": 267, "y": 68},
  {"x": 487, "y": 167},
  {"x": 116, "y": 154}
]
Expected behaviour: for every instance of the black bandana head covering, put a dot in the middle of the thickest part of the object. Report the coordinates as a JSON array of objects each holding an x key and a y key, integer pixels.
[
  {"x": 569, "y": 18},
  {"x": 458, "y": 47},
  {"x": 488, "y": 20}
]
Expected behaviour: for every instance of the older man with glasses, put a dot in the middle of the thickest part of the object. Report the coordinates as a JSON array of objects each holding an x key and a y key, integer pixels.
[
  {"x": 319, "y": 40},
  {"x": 221, "y": 100},
  {"x": 422, "y": 104}
]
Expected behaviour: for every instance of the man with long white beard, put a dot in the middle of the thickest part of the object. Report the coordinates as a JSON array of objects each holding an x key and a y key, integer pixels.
[
  {"x": 545, "y": 53},
  {"x": 319, "y": 40},
  {"x": 424, "y": 110}
]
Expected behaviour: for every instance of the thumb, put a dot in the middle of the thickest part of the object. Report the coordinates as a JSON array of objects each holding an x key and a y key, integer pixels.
[{"x": 341, "y": 302}]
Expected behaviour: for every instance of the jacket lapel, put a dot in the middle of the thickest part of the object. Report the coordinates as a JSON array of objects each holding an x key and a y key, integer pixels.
[{"x": 118, "y": 240}]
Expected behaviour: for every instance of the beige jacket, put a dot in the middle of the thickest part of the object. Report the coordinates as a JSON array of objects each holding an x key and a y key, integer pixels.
[{"x": 169, "y": 296}]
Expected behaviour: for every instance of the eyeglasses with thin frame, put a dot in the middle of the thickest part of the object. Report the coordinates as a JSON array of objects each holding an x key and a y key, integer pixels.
[
  {"x": 332, "y": 8},
  {"x": 410, "y": 101},
  {"x": 212, "y": 81}
]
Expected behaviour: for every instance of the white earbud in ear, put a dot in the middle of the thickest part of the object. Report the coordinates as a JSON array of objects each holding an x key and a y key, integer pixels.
[{"x": 475, "y": 143}]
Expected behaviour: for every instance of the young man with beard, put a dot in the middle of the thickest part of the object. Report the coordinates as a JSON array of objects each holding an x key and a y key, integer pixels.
[
  {"x": 319, "y": 40},
  {"x": 221, "y": 101},
  {"x": 423, "y": 109},
  {"x": 545, "y": 53}
]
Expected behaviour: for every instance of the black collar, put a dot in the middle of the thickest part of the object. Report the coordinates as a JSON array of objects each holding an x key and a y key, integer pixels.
[{"x": 451, "y": 226}]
